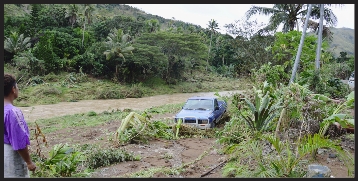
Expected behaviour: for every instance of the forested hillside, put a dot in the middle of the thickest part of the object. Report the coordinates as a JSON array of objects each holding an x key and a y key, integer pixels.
[
  {"x": 124, "y": 44},
  {"x": 343, "y": 41}
]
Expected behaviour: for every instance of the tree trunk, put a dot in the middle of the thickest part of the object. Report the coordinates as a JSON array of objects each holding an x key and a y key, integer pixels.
[
  {"x": 318, "y": 52},
  {"x": 297, "y": 60},
  {"x": 207, "y": 61},
  {"x": 223, "y": 61},
  {"x": 83, "y": 33},
  {"x": 298, "y": 28}
]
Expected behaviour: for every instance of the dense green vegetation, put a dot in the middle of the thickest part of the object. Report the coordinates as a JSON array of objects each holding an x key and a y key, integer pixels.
[{"x": 123, "y": 44}]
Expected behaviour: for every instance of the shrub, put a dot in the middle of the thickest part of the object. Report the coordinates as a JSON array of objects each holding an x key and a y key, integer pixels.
[
  {"x": 61, "y": 162},
  {"x": 109, "y": 94},
  {"x": 272, "y": 74}
]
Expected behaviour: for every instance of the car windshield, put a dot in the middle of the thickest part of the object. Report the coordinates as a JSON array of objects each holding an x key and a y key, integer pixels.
[{"x": 199, "y": 104}]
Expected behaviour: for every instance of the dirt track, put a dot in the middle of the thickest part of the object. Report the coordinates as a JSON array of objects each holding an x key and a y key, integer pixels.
[{"x": 68, "y": 108}]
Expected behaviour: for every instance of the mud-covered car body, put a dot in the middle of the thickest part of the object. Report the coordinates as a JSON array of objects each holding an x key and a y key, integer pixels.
[{"x": 202, "y": 112}]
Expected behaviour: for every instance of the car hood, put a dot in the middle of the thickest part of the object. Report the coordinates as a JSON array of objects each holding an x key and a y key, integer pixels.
[{"x": 195, "y": 113}]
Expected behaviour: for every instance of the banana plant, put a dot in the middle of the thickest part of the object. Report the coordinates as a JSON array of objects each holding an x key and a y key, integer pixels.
[
  {"x": 62, "y": 161},
  {"x": 337, "y": 116},
  {"x": 263, "y": 111},
  {"x": 133, "y": 120}
]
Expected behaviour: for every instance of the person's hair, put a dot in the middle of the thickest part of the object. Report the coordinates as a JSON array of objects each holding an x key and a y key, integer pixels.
[{"x": 9, "y": 83}]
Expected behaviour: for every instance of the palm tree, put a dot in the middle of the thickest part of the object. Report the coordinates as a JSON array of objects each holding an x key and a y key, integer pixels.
[
  {"x": 16, "y": 43},
  {"x": 212, "y": 26},
  {"x": 119, "y": 44},
  {"x": 320, "y": 29},
  {"x": 152, "y": 25},
  {"x": 87, "y": 15},
  {"x": 289, "y": 14},
  {"x": 297, "y": 60},
  {"x": 328, "y": 15},
  {"x": 318, "y": 52},
  {"x": 72, "y": 13},
  {"x": 88, "y": 10}
]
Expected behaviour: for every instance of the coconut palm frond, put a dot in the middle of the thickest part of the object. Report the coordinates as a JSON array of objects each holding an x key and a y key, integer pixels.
[
  {"x": 276, "y": 20},
  {"x": 328, "y": 15},
  {"x": 260, "y": 10}
]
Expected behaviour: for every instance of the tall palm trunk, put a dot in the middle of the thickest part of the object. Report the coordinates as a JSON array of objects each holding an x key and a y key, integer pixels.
[
  {"x": 298, "y": 29},
  {"x": 297, "y": 60},
  {"x": 318, "y": 52},
  {"x": 83, "y": 33},
  {"x": 207, "y": 60}
]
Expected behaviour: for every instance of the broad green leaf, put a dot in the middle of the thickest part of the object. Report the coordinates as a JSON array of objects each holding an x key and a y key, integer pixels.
[
  {"x": 340, "y": 116},
  {"x": 321, "y": 97},
  {"x": 350, "y": 121},
  {"x": 350, "y": 96}
]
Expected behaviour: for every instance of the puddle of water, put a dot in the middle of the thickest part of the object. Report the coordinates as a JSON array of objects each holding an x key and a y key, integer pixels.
[{"x": 68, "y": 108}]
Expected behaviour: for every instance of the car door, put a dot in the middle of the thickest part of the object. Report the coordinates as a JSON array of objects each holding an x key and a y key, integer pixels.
[{"x": 216, "y": 112}]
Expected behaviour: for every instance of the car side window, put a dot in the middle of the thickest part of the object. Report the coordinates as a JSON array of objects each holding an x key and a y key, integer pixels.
[{"x": 216, "y": 103}]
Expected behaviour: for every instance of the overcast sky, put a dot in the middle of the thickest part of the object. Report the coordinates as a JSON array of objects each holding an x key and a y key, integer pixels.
[{"x": 201, "y": 14}]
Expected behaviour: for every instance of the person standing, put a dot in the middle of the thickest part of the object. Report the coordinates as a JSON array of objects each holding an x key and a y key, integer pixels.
[{"x": 17, "y": 160}]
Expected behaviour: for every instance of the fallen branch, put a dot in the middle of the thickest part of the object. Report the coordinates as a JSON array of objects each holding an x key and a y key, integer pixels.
[{"x": 206, "y": 173}]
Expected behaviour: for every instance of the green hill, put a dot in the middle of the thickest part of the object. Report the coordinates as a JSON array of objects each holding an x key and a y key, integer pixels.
[{"x": 343, "y": 41}]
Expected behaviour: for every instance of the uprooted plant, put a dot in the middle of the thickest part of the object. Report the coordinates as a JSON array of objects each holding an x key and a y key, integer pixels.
[
  {"x": 97, "y": 157},
  {"x": 136, "y": 128}
]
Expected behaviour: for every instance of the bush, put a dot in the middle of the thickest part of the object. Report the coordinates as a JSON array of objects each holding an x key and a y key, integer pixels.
[
  {"x": 135, "y": 91},
  {"x": 272, "y": 74},
  {"x": 327, "y": 81},
  {"x": 109, "y": 94}
]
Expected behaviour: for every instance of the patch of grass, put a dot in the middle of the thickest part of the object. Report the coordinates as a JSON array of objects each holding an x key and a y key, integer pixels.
[{"x": 77, "y": 120}]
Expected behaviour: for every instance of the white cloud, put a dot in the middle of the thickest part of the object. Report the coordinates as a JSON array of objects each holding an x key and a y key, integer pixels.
[{"x": 345, "y": 15}]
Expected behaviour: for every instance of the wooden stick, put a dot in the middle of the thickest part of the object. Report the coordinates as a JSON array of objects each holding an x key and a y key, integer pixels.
[{"x": 206, "y": 173}]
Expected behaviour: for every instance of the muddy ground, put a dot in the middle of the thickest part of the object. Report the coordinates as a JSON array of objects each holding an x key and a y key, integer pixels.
[
  {"x": 157, "y": 153},
  {"x": 170, "y": 153}
]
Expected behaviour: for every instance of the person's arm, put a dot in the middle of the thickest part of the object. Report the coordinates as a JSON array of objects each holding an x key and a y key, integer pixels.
[{"x": 26, "y": 156}]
